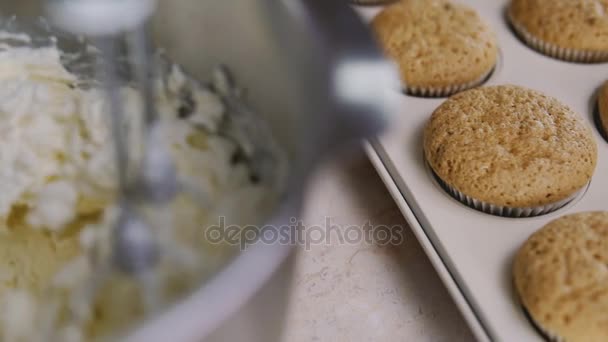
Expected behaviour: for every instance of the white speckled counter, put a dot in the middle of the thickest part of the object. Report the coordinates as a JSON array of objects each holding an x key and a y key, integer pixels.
[{"x": 361, "y": 291}]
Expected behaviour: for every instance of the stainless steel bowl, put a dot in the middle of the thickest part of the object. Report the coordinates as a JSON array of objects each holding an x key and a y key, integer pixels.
[{"x": 313, "y": 71}]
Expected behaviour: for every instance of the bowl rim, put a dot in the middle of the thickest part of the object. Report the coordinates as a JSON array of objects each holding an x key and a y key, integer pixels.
[{"x": 221, "y": 297}]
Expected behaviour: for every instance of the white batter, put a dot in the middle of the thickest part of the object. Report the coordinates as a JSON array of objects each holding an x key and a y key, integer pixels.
[{"x": 57, "y": 181}]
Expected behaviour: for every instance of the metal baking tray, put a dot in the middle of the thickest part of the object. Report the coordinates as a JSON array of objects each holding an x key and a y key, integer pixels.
[{"x": 473, "y": 251}]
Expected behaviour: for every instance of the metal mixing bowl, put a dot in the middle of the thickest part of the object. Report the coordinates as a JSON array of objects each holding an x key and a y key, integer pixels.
[{"x": 313, "y": 71}]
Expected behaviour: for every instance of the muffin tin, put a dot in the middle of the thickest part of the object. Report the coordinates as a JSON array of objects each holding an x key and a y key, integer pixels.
[{"x": 473, "y": 251}]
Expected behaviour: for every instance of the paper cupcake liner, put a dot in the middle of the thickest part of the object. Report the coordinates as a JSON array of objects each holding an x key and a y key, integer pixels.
[
  {"x": 505, "y": 211},
  {"x": 552, "y": 50},
  {"x": 449, "y": 90}
]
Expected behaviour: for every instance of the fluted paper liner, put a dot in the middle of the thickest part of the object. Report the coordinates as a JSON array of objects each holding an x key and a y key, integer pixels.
[
  {"x": 504, "y": 210},
  {"x": 448, "y": 90},
  {"x": 552, "y": 50}
]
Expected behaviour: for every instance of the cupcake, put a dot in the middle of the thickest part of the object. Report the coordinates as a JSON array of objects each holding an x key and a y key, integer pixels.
[
  {"x": 509, "y": 151},
  {"x": 561, "y": 278},
  {"x": 441, "y": 47},
  {"x": 602, "y": 109},
  {"x": 571, "y": 30}
]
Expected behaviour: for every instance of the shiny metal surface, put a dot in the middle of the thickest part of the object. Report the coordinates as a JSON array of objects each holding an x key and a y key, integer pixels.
[{"x": 313, "y": 71}]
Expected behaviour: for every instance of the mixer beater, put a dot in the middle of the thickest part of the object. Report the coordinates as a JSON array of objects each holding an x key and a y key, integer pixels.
[{"x": 146, "y": 174}]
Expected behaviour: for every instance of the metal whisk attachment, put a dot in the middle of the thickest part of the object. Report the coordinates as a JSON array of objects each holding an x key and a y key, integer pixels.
[
  {"x": 147, "y": 179},
  {"x": 146, "y": 174}
]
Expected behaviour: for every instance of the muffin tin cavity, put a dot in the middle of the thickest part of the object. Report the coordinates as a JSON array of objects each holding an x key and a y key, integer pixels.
[
  {"x": 598, "y": 123},
  {"x": 597, "y": 117}
]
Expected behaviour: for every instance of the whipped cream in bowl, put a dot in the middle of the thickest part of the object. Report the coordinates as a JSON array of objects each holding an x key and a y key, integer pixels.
[{"x": 58, "y": 187}]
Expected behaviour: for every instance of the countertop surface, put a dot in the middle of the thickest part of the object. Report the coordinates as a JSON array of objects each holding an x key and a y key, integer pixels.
[{"x": 351, "y": 282}]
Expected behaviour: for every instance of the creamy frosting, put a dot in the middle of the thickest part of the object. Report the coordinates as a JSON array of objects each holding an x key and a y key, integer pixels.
[{"x": 58, "y": 170}]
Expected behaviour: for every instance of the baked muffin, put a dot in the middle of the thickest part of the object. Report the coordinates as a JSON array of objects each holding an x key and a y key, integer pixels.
[
  {"x": 602, "y": 107},
  {"x": 441, "y": 47},
  {"x": 509, "y": 151},
  {"x": 572, "y": 30},
  {"x": 561, "y": 277}
]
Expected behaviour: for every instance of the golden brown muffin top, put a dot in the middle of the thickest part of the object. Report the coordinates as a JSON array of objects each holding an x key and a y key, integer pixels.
[
  {"x": 561, "y": 276},
  {"x": 570, "y": 24},
  {"x": 510, "y": 146},
  {"x": 437, "y": 43}
]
